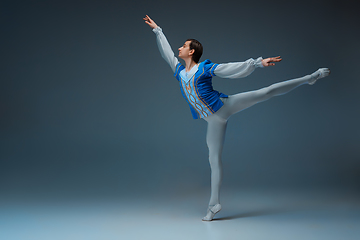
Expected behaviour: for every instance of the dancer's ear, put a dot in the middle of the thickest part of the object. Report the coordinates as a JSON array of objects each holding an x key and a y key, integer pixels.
[{"x": 191, "y": 52}]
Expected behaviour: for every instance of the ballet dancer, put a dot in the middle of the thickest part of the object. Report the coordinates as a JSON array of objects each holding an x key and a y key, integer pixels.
[{"x": 214, "y": 107}]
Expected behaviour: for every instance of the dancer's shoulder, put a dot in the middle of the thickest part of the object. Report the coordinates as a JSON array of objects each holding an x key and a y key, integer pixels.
[{"x": 208, "y": 66}]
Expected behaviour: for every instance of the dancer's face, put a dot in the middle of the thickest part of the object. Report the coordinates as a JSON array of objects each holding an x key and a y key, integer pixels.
[{"x": 184, "y": 50}]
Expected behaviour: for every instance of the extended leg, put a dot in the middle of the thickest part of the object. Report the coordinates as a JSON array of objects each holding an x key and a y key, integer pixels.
[
  {"x": 236, "y": 103},
  {"x": 215, "y": 139}
]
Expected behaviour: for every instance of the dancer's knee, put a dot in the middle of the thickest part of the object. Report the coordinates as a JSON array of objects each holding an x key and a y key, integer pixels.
[
  {"x": 215, "y": 161},
  {"x": 215, "y": 145},
  {"x": 265, "y": 93}
]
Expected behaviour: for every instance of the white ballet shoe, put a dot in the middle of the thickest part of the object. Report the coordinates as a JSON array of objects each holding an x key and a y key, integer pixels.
[
  {"x": 320, "y": 73},
  {"x": 211, "y": 212}
]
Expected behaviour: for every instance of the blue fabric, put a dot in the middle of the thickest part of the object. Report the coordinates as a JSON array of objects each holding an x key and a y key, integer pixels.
[{"x": 204, "y": 94}]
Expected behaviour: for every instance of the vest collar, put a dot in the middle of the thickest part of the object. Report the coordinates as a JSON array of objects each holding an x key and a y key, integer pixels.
[{"x": 186, "y": 76}]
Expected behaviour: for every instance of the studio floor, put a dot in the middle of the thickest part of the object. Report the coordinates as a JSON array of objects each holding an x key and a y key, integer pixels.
[{"x": 246, "y": 214}]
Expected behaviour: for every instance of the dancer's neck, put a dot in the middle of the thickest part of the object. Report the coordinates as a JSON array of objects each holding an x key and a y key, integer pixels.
[{"x": 189, "y": 64}]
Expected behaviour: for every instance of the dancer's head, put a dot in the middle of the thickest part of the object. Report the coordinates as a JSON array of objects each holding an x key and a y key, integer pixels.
[{"x": 191, "y": 49}]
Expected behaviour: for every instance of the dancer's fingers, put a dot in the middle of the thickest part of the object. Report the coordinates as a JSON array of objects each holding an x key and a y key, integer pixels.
[
  {"x": 147, "y": 18},
  {"x": 276, "y": 59},
  {"x": 150, "y": 20}
]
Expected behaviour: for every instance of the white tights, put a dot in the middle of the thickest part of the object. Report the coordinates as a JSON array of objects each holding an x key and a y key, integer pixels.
[{"x": 217, "y": 123}]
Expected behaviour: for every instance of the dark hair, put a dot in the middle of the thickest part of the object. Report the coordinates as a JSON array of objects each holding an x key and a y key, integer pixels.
[{"x": 196, "y": 45}]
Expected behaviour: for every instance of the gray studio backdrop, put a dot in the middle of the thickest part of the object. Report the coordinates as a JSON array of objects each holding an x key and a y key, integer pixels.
[{"x": 89, "y": 108}]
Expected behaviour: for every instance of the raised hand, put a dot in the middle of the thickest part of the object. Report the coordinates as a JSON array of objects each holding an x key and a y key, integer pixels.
[
  {"x": 150, "y": 22},
  {"x": 270, "y": 61}
]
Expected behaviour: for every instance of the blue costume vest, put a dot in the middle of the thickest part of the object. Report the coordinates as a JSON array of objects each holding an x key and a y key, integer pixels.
[{"x": 203, "y": 100}]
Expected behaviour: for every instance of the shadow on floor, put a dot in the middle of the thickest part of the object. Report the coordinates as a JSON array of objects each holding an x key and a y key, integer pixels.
[{"x": 256, "y": 213}]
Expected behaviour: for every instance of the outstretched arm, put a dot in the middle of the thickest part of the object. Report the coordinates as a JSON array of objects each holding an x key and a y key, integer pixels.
[
  {"x": 163, "y": 44},
  {"x": 243, "y": 69}
]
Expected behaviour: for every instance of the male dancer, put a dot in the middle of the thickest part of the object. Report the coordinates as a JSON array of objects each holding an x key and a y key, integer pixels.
[{"x": 214, "y": 107}]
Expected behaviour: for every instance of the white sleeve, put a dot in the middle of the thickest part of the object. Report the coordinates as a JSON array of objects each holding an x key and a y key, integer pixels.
[
  {"x": 237, "y": 69},
  {"x": 165, "y": 49}
]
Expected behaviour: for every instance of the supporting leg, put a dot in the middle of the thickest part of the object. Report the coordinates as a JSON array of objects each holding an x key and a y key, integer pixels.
[{"x": 215, "y": 139}]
